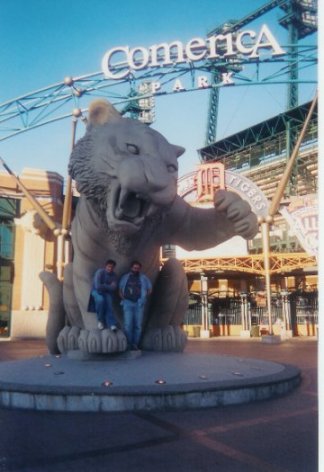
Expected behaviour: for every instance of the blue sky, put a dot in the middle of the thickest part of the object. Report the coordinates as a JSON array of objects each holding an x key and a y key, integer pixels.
[{"x": 43, "y": 41}]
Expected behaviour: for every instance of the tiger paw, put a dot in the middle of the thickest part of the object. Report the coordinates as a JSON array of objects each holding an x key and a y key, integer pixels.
[
  {"x": 169, "y": 339},
  {"x": 92, "y": 342},
  {"x": 103, "y": 341},
  {"x": 67, "y": 339}
]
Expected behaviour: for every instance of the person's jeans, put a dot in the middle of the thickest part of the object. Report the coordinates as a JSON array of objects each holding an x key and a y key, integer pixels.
[
  {"x": 104, "y": 309},
  {"x": 133, "y": 321}
]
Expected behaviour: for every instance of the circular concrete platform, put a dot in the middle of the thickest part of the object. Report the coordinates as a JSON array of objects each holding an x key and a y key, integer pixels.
[{"x": 141, "y": 381}]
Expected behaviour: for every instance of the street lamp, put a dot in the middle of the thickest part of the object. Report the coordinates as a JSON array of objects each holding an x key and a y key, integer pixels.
[
  {"x": 245, "y": 316},
  {"x": 265, "y": 222},
  {"x": 286, "y": 314},
  {"x": 205, "y": 332}
]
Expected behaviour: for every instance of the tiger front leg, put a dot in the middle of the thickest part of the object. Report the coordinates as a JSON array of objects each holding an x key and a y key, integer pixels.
[{"x": 169, "y": 304}]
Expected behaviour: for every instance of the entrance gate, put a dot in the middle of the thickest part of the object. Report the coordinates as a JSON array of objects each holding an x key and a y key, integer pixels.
[{"x": 298, "y": 309}]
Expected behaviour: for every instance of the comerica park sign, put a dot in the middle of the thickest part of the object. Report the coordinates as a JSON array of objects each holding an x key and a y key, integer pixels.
[{"x": 121, "y": 61}]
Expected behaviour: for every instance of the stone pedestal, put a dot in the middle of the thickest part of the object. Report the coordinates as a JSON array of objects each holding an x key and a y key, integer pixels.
[
  {"x": 245, "y": 333},
  {"x": 271, "y": 339},
  {"x": 158, "y": 381},
  {"x": 286, "y": 334},
  {"x": 204, "y": 333},
  {"x": 78, "y": 355}
]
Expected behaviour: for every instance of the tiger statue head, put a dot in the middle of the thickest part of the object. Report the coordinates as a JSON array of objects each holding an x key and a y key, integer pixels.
[{"x": 125, "y": 168}]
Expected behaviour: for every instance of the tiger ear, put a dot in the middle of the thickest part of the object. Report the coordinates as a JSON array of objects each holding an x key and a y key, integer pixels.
[
  {"x": 179, "y": 150},
  {"x": 101, "y": 112}
]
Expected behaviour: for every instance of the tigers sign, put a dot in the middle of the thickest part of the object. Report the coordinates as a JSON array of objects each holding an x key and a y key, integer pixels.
[{"x": 199, "y": 186}]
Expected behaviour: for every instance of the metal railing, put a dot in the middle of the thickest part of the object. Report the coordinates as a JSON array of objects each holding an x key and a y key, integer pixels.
[{"x": 303, "y": 310}]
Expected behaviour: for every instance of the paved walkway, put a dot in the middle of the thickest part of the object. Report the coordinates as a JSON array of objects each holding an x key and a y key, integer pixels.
[{"x": 275, "y": 435}]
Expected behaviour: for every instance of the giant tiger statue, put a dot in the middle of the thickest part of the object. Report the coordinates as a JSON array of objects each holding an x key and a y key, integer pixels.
[{"x": 126, "y": 174}]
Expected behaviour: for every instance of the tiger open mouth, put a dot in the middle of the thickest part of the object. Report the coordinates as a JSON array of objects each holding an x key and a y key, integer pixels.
[{"x": 131, "y": 206}]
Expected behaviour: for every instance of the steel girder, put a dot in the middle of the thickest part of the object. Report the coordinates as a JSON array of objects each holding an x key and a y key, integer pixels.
[
  {"x": 253, "y": 264},
  {"x": 300, "y": 20},
  {"x": 61, "y": 100}
]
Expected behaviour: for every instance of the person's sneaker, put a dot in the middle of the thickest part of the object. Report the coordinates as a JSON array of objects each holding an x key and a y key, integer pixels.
[
  {"x": 135, "y": 347},
  {"x": 100, "y": 325},
  {"x": 113, "y": 328}
]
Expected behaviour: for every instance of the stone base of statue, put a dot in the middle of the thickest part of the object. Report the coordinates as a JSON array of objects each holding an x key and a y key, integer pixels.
[
  {"x": 286, "y": 334},
  {"x": 245, "y": 333},
  {"x": 271, "y": 339},
  {"x": 140, "y": 381},
  {"x": 205, "y": 333},
  {"x": 79, "y": 355}
]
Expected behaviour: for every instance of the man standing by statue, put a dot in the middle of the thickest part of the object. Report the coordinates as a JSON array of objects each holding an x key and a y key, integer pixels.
[
  {"x": 134, "y": 287},
  {"x": 103, "y": 288}
]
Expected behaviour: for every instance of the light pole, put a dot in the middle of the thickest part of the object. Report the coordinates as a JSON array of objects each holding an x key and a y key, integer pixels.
[
  {"x": 265, "y": 222},
  {"x": 205, "y": 332},
  {"x": 286, "y": 313},
  {"x": 245, "y": 316}
]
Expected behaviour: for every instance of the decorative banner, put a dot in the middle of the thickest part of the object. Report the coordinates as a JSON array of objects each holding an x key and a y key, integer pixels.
[
  {"x": 200, "y": 185},
  {"x": 302, "y": 216}
]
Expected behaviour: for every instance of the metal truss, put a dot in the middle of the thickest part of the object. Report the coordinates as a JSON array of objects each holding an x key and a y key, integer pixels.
[
  {"x": 62, "y": 100},
  {"x": 300, "y": 20},
  {"x": 253, "y": 264}
]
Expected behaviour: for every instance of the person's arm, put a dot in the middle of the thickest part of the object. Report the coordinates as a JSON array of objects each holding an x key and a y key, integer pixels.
[
  {"x": 99, "y": 285},
  {"x": 122, "y": 284},
  {"x": 149, "y": 286},
  {"x": 146, "y": 287},
  {"x": 112, "y": 286},
  {"x": 97, "y": 280}
]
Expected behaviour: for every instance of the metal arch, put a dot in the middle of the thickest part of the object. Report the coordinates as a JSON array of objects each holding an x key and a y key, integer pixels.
[{"x": 58, "y": 101}]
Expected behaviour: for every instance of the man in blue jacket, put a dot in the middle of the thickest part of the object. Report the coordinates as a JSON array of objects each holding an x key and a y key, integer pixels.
[
  {"x": 103, "y": 288},
  {"x": 134, "y": 287}
]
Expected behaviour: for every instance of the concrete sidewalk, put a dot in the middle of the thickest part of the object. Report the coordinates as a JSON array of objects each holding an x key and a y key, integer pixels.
[{"x": 274, "y": 435}]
